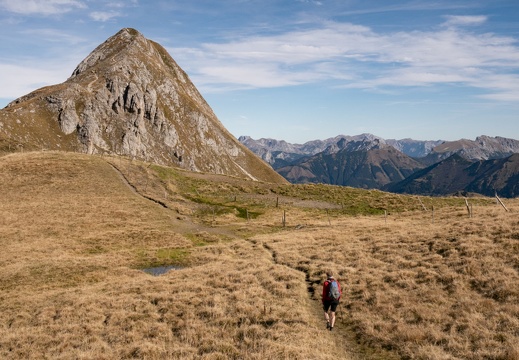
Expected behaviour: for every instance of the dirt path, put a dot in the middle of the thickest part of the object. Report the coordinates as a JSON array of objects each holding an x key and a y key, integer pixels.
[
  {"x": 134, "y": 189},
  {"x": 89, "y": 86},
  {"x": 184, "y": 226},
  {"x": 342, "y": 334}
]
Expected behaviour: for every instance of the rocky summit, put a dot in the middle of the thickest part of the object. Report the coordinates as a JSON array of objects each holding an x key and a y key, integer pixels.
[{"x": 130, "y": 98}]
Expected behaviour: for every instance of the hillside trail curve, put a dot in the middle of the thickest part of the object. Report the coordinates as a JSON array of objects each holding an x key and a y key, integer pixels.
[{"x": 342, "y": 336}]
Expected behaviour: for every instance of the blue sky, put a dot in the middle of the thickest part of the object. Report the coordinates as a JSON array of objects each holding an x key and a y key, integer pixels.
[{"x": 299, "y": 70}]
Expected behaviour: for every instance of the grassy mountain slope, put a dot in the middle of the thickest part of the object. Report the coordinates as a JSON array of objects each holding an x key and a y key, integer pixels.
[
  {"x": 76, "y": 230},
  {"x": 499, "y": 175},
  {"x": 371, "y": 169},
  {"x": 456, "y": 174},
  {"x": 445, "y": 177}
]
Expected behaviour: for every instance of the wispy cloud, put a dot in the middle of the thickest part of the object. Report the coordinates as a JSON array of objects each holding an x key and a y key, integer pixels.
[
  {"x": 18, "y": 80},
  {"x": 52, "y": 36},
  {"x": 113, "y": 10},
  {"x": 464, "y": 20},
  {"x": 360, "y": 57},
  {"x": 314, "y": 2},
  {"x": 502, "y": 87},
  {"x": 103, "y": 15},
  {"x": 396, "y": 6},
  {"x": 41, "y": 7}
]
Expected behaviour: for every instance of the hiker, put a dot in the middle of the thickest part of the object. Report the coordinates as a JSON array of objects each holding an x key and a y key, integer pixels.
[{"x": 331, "y": 296}]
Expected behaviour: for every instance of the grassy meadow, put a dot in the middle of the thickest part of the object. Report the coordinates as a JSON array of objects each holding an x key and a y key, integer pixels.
[{"x": 77, "y": 230}]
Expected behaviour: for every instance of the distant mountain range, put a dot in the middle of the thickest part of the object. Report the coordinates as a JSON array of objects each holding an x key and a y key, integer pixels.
[
  {"x": 487, "y": 165},
  {"x": 279, "y": 153}
]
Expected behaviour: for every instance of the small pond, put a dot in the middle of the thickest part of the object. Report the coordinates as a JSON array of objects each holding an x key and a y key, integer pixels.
[{"x": 160, "y": 270}]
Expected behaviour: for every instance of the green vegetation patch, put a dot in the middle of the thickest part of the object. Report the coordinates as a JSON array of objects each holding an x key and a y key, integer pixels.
[
  {"x": 163, "y": 257},
  {"x": 247, "y": 214},
  {"x": 204, "y": 238},
  {"x": 164, "y": 173},
  {"x": 175, "y": 256}
]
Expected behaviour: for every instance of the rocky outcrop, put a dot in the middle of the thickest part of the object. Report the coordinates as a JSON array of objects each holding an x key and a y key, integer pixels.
[
  {"x": 414, "y": 148},
  {"x": 129, "y": 97},
  {"x": 483, "y": 148}
]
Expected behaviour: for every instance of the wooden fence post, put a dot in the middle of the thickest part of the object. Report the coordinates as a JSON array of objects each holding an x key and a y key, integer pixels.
[
  {"x": 503, "y": 205},
  {"x": 421, "y": 203},
  {"x": 469, "y": 208}
]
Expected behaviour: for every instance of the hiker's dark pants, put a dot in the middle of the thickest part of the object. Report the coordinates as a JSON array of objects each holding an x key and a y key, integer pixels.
[{"x": 330, "y": 305}]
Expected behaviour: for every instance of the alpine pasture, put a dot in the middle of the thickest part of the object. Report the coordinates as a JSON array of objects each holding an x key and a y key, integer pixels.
[{"x": 77, "y": 230}]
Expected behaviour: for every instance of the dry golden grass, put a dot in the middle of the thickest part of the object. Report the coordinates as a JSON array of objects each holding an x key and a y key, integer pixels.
[
  {"x": 442, "y": 290},
  {"x": 73, "y": 235},
  {"x": 75, "y": 230}
]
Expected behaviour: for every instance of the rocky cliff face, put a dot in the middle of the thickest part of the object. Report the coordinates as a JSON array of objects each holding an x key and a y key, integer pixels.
[
  {"x": 414, "y": 148},
  {"x": 129, "y": 97}
]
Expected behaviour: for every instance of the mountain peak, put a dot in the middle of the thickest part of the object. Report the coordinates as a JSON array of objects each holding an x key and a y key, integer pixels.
[
  {"x": 117, "y": 44},
  {"x": 129, "y": 97}
]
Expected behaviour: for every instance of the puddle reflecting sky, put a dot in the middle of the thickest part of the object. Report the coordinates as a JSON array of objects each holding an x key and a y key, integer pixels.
[{"x": 160, "y": 270}]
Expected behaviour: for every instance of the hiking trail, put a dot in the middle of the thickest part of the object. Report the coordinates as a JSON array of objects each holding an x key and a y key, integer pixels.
[{"x": 342, "y": 334}]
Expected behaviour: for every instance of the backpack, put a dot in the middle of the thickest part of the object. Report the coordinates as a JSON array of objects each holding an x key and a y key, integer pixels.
[{"x": 333, "y": 290}]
